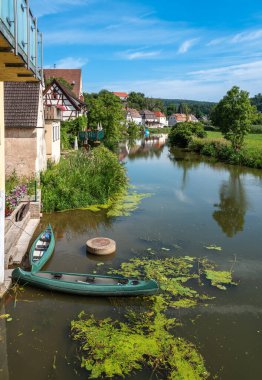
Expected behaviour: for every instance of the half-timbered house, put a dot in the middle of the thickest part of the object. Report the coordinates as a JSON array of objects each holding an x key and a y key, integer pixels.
[{"x": 59, "y": 96}]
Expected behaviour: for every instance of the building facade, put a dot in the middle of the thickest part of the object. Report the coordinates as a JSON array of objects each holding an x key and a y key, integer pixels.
[
  {"x": 25, "y": 148},
  {"x": 20, "y": 61},
  {"x": 59, "y": 96}
]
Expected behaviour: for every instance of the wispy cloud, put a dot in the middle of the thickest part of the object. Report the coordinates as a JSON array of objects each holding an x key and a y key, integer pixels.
[
  {"x": 139, "y": 55},
  {"x": 69, "y": 63},
  {"x": 46, "y": 7},
  {"x": 247, "y": 36},
  {"x": 186, "y": 45},
  {"x": 238, "y": 73}
]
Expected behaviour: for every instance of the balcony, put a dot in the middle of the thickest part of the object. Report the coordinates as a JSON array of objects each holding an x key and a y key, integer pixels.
[{"x": 21, "y": 47}]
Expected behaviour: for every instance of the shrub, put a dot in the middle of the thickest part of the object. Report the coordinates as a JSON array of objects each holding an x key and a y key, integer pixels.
[
  {"x": 256, "y": 129},
  {"x": 223, "y": 151},
  {"x": 82, "y": 179},
  {"x": 183, "y": 133}
]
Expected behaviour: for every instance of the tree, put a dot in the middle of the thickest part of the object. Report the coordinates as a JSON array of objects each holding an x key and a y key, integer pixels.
[
  {"x": 106, "y": 109},
  {"x": 233, "y": 115},
  {"x": 136, "y": 100},
  {"x": 170, "y": 109}
]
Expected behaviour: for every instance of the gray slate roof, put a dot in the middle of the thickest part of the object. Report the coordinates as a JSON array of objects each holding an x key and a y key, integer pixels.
[{"x": 21, "y": 104}]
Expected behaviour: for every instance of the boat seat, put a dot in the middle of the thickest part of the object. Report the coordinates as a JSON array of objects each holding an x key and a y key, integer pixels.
[
  {"x": 122, "y": 282},
  {"x": 90, "y": 279},
  {"x": 41, "y": 247},
  {"x": 57, "y": 276},
  {"x": 134, "y": 282}
]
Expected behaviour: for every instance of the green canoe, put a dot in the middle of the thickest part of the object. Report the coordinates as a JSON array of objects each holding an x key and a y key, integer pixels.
[
  {"x": 42, "y": 249},
  {"x": 86, "y": 284}
]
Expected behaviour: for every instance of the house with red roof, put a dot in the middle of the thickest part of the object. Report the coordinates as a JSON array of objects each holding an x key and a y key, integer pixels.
[
  {"x": 161, "y": 119},
  {"x": 72, "y": 76},
  {"x": 121, "y": 95},
  {"x": 181, "y": 118}
]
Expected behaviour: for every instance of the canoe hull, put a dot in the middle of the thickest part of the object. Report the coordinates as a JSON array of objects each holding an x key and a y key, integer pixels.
[
  {"x": 143, "y": 288},
  {"x": 38, "y": 265}
]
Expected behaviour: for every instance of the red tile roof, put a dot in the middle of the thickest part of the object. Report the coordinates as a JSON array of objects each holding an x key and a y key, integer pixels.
[
  {"x": 121, "y": 94},
  {"x": 159, "y": 114},
  {"x": 72, "y": 76}
]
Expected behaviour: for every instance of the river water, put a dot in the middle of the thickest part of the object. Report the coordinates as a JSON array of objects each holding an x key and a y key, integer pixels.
[{"x": 194, "y": 203}]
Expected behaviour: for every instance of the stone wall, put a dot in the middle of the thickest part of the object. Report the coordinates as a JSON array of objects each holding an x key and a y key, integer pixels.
[{"x": 14, "y": 230}]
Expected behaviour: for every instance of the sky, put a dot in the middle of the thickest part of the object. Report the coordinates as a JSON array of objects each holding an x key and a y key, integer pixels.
[{"x": 170, "y": 49}]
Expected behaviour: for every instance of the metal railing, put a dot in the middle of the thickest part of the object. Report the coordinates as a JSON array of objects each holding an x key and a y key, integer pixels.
[{"x": 19, "y": 27}]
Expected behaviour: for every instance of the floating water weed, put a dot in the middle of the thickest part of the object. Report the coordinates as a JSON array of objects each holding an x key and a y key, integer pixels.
[
  {"x": 145, "y": 338},
  {"x": 114, "y": 348},
  {"x": 214, "y": 247}
]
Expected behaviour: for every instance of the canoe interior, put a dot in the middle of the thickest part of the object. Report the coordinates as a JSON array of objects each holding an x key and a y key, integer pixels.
[
  {"x": 87, "y": 279},
  {"x": 42, "y": 245}
]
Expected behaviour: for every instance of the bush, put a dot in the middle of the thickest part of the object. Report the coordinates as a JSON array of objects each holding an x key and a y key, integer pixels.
[
  {"x": 256, "y": 129},
  {"x": 183, "y": 133},
  {"x": 223, "y": 151},
  {"x": 82, "y": 179}
]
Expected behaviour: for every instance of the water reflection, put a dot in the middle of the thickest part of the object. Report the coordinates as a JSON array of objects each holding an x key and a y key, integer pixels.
[
  {"x": 233, "y": 205},
  {"x": 78, "y": 221},
  {"x": 143, "y": 148}
]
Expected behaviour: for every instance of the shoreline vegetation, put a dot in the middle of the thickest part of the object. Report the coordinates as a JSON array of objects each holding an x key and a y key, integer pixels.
[
  {"x": 234, "y": 116},
  {"x": 215, "y": 146},
  {"x": 83, "y": 179}
]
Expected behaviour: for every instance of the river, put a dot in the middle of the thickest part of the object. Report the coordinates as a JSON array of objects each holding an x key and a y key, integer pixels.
[{"x": 194, "y": 203}]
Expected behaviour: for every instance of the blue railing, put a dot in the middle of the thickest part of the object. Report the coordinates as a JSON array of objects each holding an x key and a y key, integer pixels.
[{"x": 19, "y": 27}]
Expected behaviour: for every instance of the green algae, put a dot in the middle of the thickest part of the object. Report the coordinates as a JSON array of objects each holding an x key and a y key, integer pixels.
[
  {"x": 217, "y": 278},
  {"x": 149, "y": 338},
  {"x": 126, "y": 204},
  {"x": 122, "y": 204},
  {"x": 112, "y": 348},
  {"x": 213, "y": 247}
]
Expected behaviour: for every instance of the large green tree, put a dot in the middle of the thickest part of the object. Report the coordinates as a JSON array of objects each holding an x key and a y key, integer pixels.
[
  {"x": 106, "y": 110},
  {"x": 233, "y": 115}
]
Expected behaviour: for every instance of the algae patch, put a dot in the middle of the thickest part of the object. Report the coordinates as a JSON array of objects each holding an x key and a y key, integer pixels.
[
  {"x": 147, "y": 337},
  {"x": 122, "y": 205},
  {"x": 112, "y": 348}
]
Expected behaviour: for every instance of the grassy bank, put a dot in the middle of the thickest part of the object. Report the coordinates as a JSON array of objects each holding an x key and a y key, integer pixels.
[
  {"x": 252, "y": 141},
  {"x": 82, "y": 179},
  {"x": 220, "y": 149}
]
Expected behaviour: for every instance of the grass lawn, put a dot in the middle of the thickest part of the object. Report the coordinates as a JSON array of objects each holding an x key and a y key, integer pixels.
[{"x": 252, "y": 141}]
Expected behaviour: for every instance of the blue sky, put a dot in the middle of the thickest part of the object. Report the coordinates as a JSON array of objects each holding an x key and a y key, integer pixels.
[{"x": 170, "y": 49}]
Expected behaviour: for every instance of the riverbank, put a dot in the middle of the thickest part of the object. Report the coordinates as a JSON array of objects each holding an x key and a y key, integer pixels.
[{"x": 215, "y": 146}]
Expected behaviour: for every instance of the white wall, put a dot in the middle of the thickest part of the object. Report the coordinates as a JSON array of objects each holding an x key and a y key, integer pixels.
[
  {"x": 41, "y": 159},
  {"x": 2, "y": 183}
]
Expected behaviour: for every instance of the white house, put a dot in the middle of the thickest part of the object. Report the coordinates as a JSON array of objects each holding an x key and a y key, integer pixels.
[
  {"x": 53, "y": 117},
  {"x": 181, "y": 118},
  {"x": 132, "y": 115},
  {"x": 59, "y": 96},
  {"x": 161, "y": 119}
]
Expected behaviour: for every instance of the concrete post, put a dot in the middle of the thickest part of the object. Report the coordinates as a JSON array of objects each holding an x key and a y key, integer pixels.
[{"x": 2, "y": 183}]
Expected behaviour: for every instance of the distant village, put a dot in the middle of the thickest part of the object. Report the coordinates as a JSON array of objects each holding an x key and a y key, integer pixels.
[{"x": 153, "y": 119}]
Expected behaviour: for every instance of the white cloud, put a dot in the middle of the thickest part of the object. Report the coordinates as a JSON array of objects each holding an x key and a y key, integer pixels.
[
  {"x": 140, "y": 55},
  {"x": 186, "y": 45},
  {"x": 69, "y": 63},
  {"x": 251, "y": 71},
  {"x": 247, "y": 36}
]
